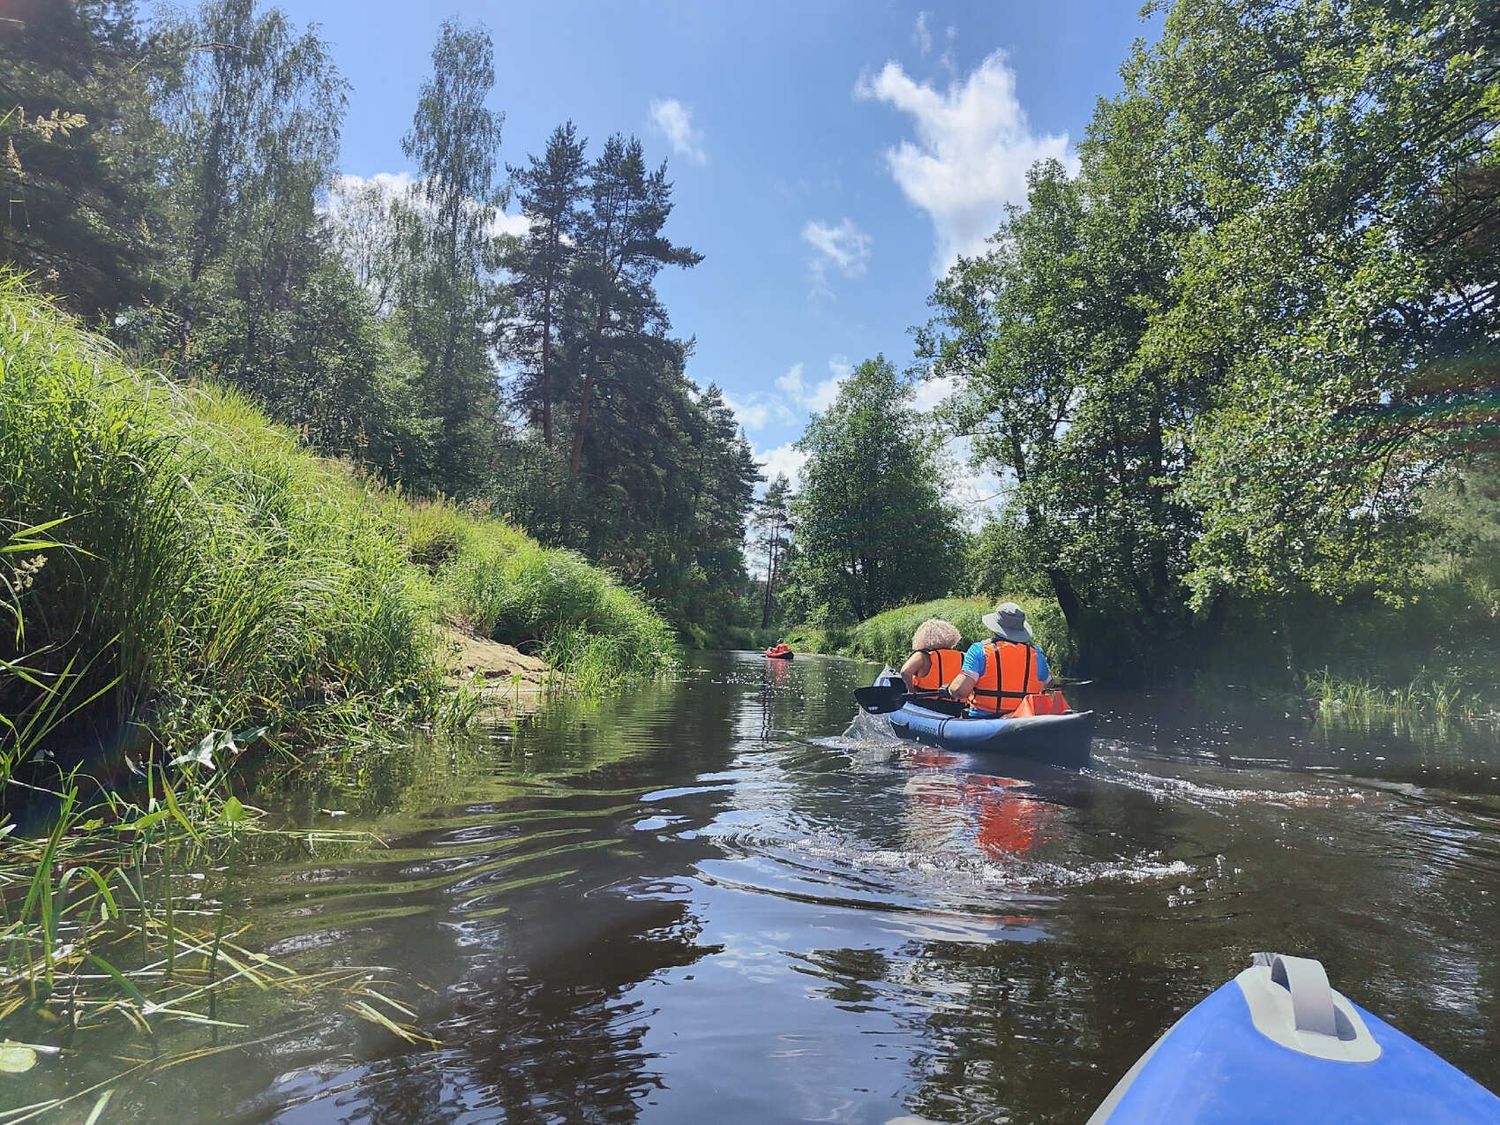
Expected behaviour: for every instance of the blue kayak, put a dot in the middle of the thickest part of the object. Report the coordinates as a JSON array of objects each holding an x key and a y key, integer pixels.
[
  {"x": 1059, "y": 740},
  {"x": 1278, "y": 1044}
]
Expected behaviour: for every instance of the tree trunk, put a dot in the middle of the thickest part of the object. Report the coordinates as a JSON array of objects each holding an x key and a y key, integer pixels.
[
  {"x": 547, "y": 365},
  {"x": 1072, "y": 608},
  {"x": 586, "y": 396},
  {"x": 585, "y": 401}
]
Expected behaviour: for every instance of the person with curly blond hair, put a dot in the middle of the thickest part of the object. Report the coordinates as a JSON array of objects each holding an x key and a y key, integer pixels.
[{"x": 935, "y": 658}]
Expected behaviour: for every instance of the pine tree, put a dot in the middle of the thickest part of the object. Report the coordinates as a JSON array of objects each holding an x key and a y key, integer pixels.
[
  {"x": 552, "y": 191},
  {"x": 771, "y": 528},
  {"x": 621, "y": 249},
  {"x": 79, "y": 179}
]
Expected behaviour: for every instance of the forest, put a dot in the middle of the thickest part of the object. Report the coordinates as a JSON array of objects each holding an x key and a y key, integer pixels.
[
  {"x": 174, "y": 182},
  {"x": 1236, "y": 372},
  {"x": 1233, "y": 365}
]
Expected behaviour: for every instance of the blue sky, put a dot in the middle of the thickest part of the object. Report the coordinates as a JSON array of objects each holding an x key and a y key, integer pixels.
[{"x": 828, "y": 157}]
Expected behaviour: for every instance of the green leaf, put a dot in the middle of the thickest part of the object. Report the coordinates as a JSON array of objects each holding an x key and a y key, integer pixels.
[{"x": 16, "y": 1058}]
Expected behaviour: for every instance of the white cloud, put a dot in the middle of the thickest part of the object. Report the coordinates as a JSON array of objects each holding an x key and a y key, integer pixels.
[
  {"x": 388, "y": 184},
  {"x": 385, "y": 186},
  {"x": 844, "y": 248},
  {"x": 972, "y": 148},
  {"x": 975, "y": 491},
  {"x": 676, "y": 121},
  {"x": 752, "y": 415},
  {"x": 785, "y": 459},
  {"x": 922, "y": 35},
  {"x": 791, "y": 382},
  {"x": 931, "y": 392},
  {"x": 505, "y": 223},
  {"x": 820, "y": 396}
]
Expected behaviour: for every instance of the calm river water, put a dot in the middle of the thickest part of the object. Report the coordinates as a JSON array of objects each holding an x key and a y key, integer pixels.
[{"x": 706, "y": 903}]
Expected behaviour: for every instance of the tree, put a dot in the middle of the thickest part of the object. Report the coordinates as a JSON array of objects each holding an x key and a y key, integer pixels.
[
  {"x": 1043, "y": 333},
  {"x": 1348, "y": 286},
  {"x": 450, "y": 298},
  {"x": 872, "y": 528},
  {"x": 621, "y": 322},
  {"x": 254, "y": 130},
  {"x": 79, "y": 177},
  {"x": 771, "y": 530},
  {"x": 552, "y": 191},
  {"x": 1227, "y": 356}
]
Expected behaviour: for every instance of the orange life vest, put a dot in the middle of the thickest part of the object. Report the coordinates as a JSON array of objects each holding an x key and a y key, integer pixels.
[
  {"x": 942, "y": 665},
  {"x": 1007, "y": 678}
]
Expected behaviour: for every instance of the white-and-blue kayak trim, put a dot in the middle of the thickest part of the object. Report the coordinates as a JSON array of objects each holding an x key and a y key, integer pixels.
[
  {"x": 1278, "y": 1044},
  {"x": 1062, "y": 740}
]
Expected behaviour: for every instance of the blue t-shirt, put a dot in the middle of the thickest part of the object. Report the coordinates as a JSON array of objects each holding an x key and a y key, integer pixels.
[{"x": 974, "y": 664}]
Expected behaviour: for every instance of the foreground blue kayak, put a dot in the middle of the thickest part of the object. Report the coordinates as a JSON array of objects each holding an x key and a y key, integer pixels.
[
  {"x": 1278, "y": 1044},
  {"x": 1059, "y": 740}
]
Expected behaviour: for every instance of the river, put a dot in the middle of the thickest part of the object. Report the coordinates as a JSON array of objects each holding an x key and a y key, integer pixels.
[{"x": 705, "y": 903}]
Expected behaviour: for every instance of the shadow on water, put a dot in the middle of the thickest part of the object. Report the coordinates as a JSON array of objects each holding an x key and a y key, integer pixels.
[{"x": 708, "y": 902}]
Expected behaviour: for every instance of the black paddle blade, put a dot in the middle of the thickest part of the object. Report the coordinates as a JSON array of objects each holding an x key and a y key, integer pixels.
[{"x": 882, "y": 699}]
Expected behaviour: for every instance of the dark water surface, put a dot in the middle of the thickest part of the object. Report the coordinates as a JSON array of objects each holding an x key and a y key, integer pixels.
[{"x": 704, "y": 903}]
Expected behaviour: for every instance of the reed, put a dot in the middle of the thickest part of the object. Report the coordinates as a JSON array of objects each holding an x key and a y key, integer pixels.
[
  {"x": 1426, "y": 697},
  {"x": 181, "y": 565},
  {"x": 125, "y": 917}
]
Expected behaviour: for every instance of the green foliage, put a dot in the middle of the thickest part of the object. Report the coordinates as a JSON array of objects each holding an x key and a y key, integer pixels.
[
  {"x": 1226, "y": 358},
  {"x": 448, "y": 297},
  {"x": 872, "y": 529},
  {"x": 78, "y": 142},
  {"x": 887, "y": 636},
  {"x": 206, "y": 573}
]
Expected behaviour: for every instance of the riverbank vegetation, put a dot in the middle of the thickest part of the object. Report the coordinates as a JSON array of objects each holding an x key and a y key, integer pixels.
[
  {"x": 886, "y": 637},
  {"x": 179, "y": 565},
  {"x": 489, "y": 332},
  {"x": 182, "y": 581},
  {"x": 1234, "y": 372}
]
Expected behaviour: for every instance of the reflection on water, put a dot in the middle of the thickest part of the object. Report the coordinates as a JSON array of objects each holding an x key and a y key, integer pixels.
[{"x": 707, "y": 902}]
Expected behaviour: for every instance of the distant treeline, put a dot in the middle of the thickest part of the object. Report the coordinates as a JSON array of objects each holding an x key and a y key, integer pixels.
[
  {"x": 1235, "y": 372},
  {"x": 175, "y": 182}
]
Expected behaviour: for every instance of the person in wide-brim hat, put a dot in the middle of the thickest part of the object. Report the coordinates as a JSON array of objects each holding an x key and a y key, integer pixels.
[
  {"x": 1009, "y": 621},
  {"x": 994, "y": 681}
]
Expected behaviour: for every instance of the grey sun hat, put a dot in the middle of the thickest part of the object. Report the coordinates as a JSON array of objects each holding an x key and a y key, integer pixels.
[{"x": 1009, "y": 621}]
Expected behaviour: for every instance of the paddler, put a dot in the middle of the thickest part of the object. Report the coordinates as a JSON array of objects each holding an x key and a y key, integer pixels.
[
  {"x": 999, "y": 673},
  {"x": 934, "y": 658}
]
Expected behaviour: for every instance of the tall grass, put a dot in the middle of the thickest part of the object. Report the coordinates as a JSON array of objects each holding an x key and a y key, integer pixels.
[
  {"x": 887, "y": 636},
  {"x": 506, "y": 586},
  {"x": 204, "y": 568},
  {"x": 199, "y": 571},
  {"x": 1436, "y": 698},
  {"x": 173, "y": 568}
]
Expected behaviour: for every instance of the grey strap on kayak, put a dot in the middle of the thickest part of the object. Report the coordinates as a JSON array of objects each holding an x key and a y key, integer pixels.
[
  {"x": 1312, "y": 997},
  {"x": 1292, "y": 1004}
]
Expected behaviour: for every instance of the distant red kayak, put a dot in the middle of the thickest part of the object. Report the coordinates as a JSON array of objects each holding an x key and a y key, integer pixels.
[{"x": 778, "y": 652}]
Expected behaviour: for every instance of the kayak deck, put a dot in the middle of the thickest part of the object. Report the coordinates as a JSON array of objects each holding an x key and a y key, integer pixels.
[
  {"x": 1063, "y": 740},
  {"x": 1278, "y": 1044}
]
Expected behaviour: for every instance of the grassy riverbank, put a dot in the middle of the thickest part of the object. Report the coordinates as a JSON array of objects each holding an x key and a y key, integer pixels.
[
  {"x": 887, "y": 636},
  {"x": 1428, "y": 660},
  {"x": 180, "y": 581},
  {"x": 177, "y": 565}
]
